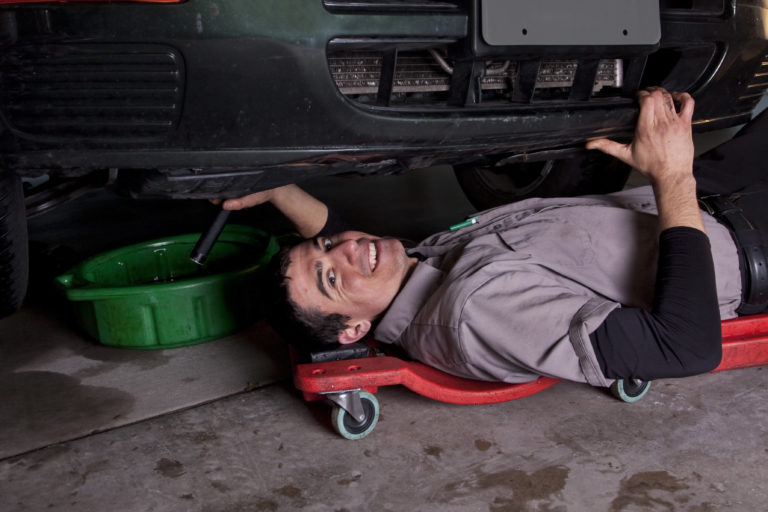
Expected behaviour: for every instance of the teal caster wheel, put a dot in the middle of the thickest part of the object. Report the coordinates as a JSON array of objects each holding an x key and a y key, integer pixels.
[
  {"x": 355, "y": 414},
  {"x": 630, "y": 390}
]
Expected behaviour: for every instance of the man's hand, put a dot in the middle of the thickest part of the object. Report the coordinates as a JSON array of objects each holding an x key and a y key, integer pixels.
[
  {"x": 662, "y": 151},
  {"x": 255, "y": 199},
  {"x": 663, "y": 143},
  {"x": 306, "y": 213}
]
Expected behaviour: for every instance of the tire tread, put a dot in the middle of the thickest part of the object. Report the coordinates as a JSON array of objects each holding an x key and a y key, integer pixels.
[{"x": 14, "y": 253}]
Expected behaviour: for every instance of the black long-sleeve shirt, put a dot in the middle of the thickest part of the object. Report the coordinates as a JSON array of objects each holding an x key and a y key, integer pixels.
[{"x": 681, "y": 334}]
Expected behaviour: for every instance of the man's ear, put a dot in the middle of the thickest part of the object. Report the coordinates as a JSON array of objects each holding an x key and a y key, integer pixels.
[{"x": 354, "y": 332}]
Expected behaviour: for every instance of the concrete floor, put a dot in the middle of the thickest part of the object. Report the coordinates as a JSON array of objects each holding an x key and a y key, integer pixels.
[{"x": 694, "y": 445}]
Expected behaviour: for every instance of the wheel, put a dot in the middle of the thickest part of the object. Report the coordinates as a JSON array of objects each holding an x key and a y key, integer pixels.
[
  {"x": 14, "y": 257},
  {"x": 630, "y": 390},
  {"x": 488, "y": 186},
  {"x": 348, "y": 427}
]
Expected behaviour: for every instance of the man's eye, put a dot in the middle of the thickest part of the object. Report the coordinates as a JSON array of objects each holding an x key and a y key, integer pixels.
[
  {"x": 332, "y": 278},
  {"x": 327, "y": 244}
]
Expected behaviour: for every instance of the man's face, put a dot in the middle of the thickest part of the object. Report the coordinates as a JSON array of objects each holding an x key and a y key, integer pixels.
[{"x": 351, "y": 273}]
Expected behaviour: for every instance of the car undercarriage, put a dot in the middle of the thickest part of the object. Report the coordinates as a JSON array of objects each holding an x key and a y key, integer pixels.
[{"x": 205, "y": 99}]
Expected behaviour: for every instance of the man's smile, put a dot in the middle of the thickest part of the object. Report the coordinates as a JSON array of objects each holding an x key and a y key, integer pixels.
[{"x": 372, "y": 253}]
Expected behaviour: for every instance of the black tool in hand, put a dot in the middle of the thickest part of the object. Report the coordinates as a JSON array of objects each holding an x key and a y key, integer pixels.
[{"x": 203, "y": 246}]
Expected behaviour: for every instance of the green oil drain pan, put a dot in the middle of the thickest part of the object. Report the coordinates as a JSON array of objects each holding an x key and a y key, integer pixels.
[{"x": 152, "y": 296}]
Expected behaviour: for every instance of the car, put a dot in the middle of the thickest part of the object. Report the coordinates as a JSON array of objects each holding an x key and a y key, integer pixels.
[{"x": 210, "y": 98}]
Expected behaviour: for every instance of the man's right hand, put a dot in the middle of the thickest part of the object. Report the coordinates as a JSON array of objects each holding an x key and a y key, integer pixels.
[
  {"x": 306, "y": 213},
  {"x": 250, "y": 200}
]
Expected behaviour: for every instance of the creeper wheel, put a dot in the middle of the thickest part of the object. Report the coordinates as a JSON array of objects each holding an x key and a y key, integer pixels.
[
  {"x": 630, "y": 390},
  {"x": 350, "y": 427}
]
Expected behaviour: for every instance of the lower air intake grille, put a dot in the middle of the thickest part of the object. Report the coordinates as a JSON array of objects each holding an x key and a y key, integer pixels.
[
  {"x": 424, "y": 77},
  {"x": 758, "y": 84},
  {"x": 91, "y": 92}
]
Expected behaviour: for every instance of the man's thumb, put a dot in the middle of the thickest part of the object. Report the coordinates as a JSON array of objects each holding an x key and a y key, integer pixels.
[
  {"x": 232, "y": 204},
  {"x": 610, "y": 147}
]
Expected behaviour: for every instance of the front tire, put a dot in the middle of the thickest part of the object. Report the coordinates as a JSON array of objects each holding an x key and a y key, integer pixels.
[
  {"x": 488, "y": 186},
  {"x": 14, "y": 252}
]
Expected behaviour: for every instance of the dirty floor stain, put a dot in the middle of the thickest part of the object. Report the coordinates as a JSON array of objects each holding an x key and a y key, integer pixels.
[
  {"x": 482, "y": 445},
  {"x": 433, "y": 451},
  {"x": 650, "y": 490},
  {"x": 514, "y": 488},
  {"x": 169, "y": 468}
]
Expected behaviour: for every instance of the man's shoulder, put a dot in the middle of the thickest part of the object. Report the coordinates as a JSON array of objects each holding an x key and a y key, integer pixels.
[{"x": 512, "y": 215}]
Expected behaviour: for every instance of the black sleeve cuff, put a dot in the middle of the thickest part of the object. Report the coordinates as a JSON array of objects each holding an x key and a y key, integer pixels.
[{"x": 334, "y": 224}]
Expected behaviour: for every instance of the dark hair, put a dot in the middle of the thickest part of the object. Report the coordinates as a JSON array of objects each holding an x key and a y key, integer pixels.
[{"x": 295, "y": 324}]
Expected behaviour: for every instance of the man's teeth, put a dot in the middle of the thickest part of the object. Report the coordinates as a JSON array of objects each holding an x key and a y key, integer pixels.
[{"x": 372, "y": 255}]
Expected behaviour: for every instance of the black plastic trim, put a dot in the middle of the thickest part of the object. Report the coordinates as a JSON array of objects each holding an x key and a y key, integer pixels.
[{"x": 405, "y": 7}]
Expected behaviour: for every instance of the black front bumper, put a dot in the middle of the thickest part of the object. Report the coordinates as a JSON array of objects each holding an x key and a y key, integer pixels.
[{"x": 203, "y": 87}]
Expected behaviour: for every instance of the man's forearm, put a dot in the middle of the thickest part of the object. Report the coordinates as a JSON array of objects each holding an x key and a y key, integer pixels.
[{"x": 307, "y": 213}]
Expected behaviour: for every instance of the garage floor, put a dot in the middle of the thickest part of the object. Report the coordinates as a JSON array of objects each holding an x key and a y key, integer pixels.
[{"x": 219, "y": 426}]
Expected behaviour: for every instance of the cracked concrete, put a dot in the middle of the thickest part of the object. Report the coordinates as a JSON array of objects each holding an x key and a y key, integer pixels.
[{"x": 687, "y": 446}]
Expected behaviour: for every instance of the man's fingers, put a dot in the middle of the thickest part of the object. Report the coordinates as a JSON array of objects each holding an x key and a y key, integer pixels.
[
  {"x": 665, "y": 101},
  {"x": 686, "y": 104},
  {"x": 661, "y": 104},
  {"x": 239, "y": 203},
  {"x": 642, "y": 93}
]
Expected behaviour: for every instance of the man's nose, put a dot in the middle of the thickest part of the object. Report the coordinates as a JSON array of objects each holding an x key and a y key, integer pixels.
[{"x": 349, "y": 250}]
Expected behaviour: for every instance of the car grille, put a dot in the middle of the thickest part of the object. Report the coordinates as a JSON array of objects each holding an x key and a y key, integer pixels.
[
  {"x": 421, "y": 76},
  {"x": 91, "y": 92},
  {"x": 421, "y": 71},
  {"x": 427, "y": 77},
  {"x": 758, "y": 83}
]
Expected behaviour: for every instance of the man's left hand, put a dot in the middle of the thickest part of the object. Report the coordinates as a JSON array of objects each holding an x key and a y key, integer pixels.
[
  {"x": 662, "y": 151},
  {"x": 663, "y": 143}
]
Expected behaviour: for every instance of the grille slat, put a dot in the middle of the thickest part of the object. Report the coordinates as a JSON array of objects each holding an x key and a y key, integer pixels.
[
  {"x": 584, "y": 79},
  {"x": 77, "y": 91},
  {"x": 97, "y": 111},
  {"x": 92, "y": 92},
  {"x": 57, "y": 98},
  {"x": 85, "y": 124},
  {"x": 387, "y": 6},
  {"x": 121, "y": 77},
  {"x": 63, "y": 65}
]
